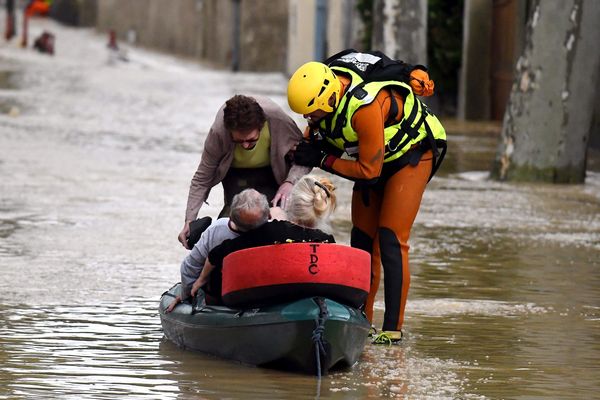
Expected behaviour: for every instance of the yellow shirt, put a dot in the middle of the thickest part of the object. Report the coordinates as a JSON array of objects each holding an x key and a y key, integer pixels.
[{"x": 257, "y": 157}]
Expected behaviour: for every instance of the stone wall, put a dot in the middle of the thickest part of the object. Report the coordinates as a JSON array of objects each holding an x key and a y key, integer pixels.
[
  {"x": 172, "y": 26},
  {"x": 75, "y": 12},
  {"x": 344, "y": 30},
  {"x": 263, "y": 39}
]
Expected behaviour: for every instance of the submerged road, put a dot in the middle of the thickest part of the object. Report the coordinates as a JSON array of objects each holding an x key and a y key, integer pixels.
[{"x": 95, "y": 164}]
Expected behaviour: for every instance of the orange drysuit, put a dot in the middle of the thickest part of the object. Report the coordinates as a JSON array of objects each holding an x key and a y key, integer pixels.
[{"x": 383, "y": 213}]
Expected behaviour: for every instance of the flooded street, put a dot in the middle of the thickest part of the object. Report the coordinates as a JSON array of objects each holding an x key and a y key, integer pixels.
[{"x": 95, "y": 165}]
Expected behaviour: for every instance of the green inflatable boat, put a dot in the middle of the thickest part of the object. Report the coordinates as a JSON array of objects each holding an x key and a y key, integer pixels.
[{"x": 312, "y": 335}]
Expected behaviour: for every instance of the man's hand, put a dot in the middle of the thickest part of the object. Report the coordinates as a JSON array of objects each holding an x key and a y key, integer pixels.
[
  {"x": 176, "y": 301},
  {"x": 183, "y": 235},
  {"x": 282, "y": 195},
  {"x": 197, "y": 285},
  {"x": 309, "y": 155}
]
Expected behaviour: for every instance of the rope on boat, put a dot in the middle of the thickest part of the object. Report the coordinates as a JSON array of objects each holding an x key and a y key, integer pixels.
[{"x": 317, "y": 335}]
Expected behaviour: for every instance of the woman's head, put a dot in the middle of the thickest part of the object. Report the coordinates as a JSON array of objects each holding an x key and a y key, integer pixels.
[{"x": 312, "y": 201}]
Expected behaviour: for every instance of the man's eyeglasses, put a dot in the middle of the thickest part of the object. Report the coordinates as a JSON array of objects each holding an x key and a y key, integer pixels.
[
  {"x": 249, "y": 141},
  {"x": 246, "y": 137}
]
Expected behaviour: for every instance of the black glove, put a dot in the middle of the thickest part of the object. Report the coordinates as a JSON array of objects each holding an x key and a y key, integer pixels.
[
  {"x": 198, "y": 227},
  {"x": 309, "y": 155}
]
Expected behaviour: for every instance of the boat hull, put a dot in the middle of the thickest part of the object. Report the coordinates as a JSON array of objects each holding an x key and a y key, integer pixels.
[{"x": 278, "y": 336}]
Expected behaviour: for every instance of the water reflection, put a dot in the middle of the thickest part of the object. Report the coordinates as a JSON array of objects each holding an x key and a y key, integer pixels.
[
  {"x": 9, "y": 79},
  {"x": 116, "y": 349},
  {"x": 510, "y": 291},
  {"x": 382, "y": 372},
  {"x": 68, "y": 350}
]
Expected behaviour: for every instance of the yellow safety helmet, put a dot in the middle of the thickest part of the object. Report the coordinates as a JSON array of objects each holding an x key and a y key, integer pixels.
[{"x": 310, "y": 88}]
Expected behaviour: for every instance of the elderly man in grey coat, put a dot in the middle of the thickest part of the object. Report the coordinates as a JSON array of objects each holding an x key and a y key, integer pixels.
[{"x": 249, "y": 210}]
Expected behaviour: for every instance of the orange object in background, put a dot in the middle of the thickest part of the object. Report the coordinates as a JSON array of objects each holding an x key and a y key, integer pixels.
[
  {"x": 38, "y": 7},
  {"x": 112, "y": 40},
  {"x": 35, "y": 7},
  {"x": 420, "y": 83}
]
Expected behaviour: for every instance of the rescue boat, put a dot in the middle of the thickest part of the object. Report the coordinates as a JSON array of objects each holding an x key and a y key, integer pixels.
[{"x": 290, "y": 306}]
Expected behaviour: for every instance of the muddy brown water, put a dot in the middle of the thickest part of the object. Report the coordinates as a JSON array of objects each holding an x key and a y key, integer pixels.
[{"x": 94, "y": 172}]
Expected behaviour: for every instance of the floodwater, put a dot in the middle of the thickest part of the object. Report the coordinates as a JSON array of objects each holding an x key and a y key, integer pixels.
[{"x": 95, "y": 163}]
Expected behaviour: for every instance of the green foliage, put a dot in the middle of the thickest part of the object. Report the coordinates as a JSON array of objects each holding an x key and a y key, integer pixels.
[
  {"x": 444, "y": 44},
  {"x": 444, "y": 41},
  {"x": 365, "y": 10}
]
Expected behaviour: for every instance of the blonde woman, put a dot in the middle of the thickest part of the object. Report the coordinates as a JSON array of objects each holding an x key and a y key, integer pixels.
[{"x": 312, "y": 202}]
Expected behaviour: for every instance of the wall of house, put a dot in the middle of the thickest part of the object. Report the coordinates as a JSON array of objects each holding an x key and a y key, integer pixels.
[
  {"x": 204, "y": 29},
  {"x": 75, "y": 12},
  {"x": 343, "y": 30},
  {"x": 264, "y": 35}
]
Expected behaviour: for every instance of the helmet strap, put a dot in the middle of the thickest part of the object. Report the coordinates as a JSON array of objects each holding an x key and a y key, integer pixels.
[{"x": 334, "y": 101}]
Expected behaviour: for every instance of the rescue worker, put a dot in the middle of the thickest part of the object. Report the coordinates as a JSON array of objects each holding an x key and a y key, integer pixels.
[
  {"x": 44, "y": 43},
  {"x": 390, "y": 164},
  {"x": 115, "y": 53},
  {"x": 247, "y": 146}
]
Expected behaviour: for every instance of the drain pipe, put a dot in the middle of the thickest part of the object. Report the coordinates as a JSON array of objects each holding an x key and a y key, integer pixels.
[
  {"x": 10, "y": 28},
  {"x": 235, "y": 46}
]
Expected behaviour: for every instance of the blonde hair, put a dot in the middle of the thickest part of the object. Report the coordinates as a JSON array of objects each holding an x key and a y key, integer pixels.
[{"x": 312, "y": 201}]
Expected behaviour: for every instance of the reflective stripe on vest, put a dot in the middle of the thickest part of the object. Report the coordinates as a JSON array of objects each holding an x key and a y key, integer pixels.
[{"x": 399, "y": 137}]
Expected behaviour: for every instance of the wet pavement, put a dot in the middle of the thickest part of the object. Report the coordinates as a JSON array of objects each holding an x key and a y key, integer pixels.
[{"x": 95, "y": 164}]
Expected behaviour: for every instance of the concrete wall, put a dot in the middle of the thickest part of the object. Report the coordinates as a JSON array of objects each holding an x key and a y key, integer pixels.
[
  {"x": 264, "y": 38},
  {"x": 75, "y": 12},
  {"x": 169, "y": 26},
  {"x": 272, "y": 35},
  {"x": 301, "y": 33},
  {"x": 216, "y": 31},
  {"x": 344, "y": 27},
  {"x": 343, "y": 30},
  {"x": 400, "y": 29},
  {"x": 204, "y": 29}
]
